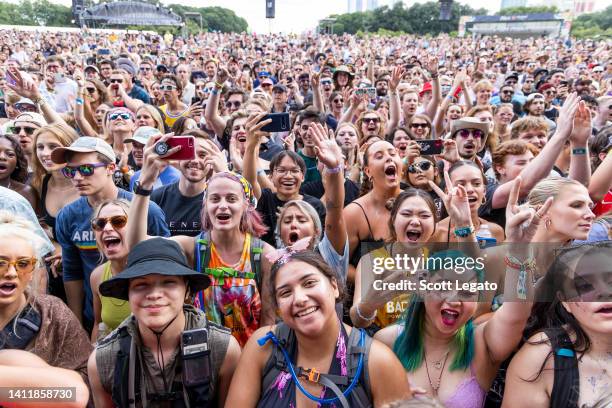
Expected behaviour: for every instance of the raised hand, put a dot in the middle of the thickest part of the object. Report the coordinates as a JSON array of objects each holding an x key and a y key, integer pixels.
[
  {"x": 235, "y": 156},
  {"x": 289, "y": 142},
  {"x": 413, "y": 150},
  {"x": 315, "y": 80},
  {"x": 450, "y": 152},
  {"x": 215, "y": 159},
  {"x": 24, "y": 87},
  {"x": 328, "y": 152},
  {"x": 582, "y": 125},
  {"x": 565, "y": 121},
  {"x": 396, "y": 77},
  {"x": 221, "y": 76},
  {"x": 522, "y": 221},
  {"x": 153, "y": 164},
  {"x": 455, "y": 202},
  {"x": 253, "y": 128},
  {"x": 432, "y": 65}
]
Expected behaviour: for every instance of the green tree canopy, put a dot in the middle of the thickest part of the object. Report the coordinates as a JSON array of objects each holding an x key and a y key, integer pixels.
[
  {"x": 593, "y": 24},
  {"x": 511, "y": 11},
  {"x": 420, "y": 18}
]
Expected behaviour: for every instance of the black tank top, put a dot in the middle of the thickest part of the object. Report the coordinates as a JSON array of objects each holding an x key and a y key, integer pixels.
[
  {"x": 365, "y": 245},
  {"x": 49, "y": 220}
]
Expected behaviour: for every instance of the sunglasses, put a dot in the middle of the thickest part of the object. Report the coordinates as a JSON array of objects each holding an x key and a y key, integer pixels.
[
  {"x": 422, "y": 166},
  {"x": 550, "y": 92},
  {"x": 91, "y": 90},
  {"x": 370, "y": 120},
  {"x": 122, "y": 115},
  {"x": 116, "y": 81},
  {"x": 167, "y": 87},
  {"x": 26, "y": 129},
  {"x": 116, "y": 221},
  {"x": 508, "y": 92},
  {"x": 235, "y": 104},
  {"x": 476, "y": 133},
  {"x": 86, "y": 170},
  {"x": 420, "y": 125},
  {"x": 22, "y": 265},
  {"x": 145, "y": 69},
  {"x": 266, "y": 85},
  {"x": 326, "y": 82}
]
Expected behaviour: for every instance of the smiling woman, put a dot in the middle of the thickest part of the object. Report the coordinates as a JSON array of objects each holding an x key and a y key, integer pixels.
[{"x": 14, "y": 169}]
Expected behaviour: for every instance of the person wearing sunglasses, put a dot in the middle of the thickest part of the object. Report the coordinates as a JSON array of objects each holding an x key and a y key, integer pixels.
[
  {"x": 31, "y": 320},
  {"x": 470, "y": 135},
  {"x": 172, "y": 88},
  {"x": 109, "y": 226},
  {"x": 24, "y": 126},
  {"x": 118, "y": 90},
  {"x": 90, "y": 165},
  {"x": 420, "y": 126}
]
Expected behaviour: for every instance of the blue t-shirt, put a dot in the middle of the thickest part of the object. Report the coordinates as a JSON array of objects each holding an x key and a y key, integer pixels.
[
  {"x": 170, "y": 175},
  {"x": 79, "y": 249}
]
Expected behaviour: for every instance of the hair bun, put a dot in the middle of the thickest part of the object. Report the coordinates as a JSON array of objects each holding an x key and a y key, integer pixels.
[{"x": 389, "y": 203}]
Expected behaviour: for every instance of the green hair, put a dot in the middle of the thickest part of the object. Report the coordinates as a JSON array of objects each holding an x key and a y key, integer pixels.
[{"x": 409, "y": 346}]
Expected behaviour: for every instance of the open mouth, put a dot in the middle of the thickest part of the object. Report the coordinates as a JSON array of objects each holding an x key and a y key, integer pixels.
[
  {"x": 241, "y": 138},
  {"x": 3, "y": 167},
  {"x": 391, "y": 170},
  {"x": 7, "y": 288},
  {"x": 223, "y": 217},
  {"x": 287, "y": 184},
  {"x": 413, "y": 235},
  {"x": 293, "y": 237},
  {"x": 111, "y": 242},
  {"x": 449, "y": 316},
  {"x": 472, "y": 200},
  {"x": 307, "y": 312},
  {"x": 468, "y": 146}
]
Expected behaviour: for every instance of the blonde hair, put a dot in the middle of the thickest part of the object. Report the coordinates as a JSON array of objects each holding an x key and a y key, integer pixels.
[
  {"x": 64, "y": 134},
  {"x": 528, "y": 123},
  {"x": 549, "y": 187},
  {"x": 11, "y": 227},
  {"x": 159, "y": 122},
  {"x": 119, "y": 202},
  {"x": 482, "y": 85}
]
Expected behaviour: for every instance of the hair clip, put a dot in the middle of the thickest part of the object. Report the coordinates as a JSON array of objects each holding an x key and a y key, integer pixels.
[{"x": 283, "y": 255}]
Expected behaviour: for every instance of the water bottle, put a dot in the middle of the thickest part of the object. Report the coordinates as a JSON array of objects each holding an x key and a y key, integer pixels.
[{"x": 485, "y": 237}]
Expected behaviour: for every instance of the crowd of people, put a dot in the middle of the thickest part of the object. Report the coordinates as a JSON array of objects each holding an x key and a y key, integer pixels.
[{"x": 164, "y": 242}]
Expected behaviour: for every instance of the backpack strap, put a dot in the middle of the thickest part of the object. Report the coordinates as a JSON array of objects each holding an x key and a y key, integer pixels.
[
  {"x": 124, "y": 391},
  {"x": 566, "y": 385},
  {"x": 256, "y": 252},
  {"x": 202, "y": 257},
  {"x": 276, "y": 362},
  {"x": 362, "y": 393}
]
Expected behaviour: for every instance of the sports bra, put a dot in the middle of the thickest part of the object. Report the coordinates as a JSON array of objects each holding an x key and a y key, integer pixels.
[{"x": 369, "y": 242}]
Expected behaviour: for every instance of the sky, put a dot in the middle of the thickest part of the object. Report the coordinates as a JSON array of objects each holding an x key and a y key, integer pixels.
[{"x": 302, "y": 15}]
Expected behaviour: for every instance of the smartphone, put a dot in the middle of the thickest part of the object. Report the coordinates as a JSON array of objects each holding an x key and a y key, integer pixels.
[
  {"x": 10, "y": 79},
  {"x": 196, "y": 356},
  {"x": 431, "y": 146},
  {"x": 280, "y": 122},
  {"x": 187, "y": 151},
  {"x": 563, "y": 83},
  {"x": 59, "y": 78},
  {"x": 371, "y": 92},
  {"x": 195, "y": 100}
]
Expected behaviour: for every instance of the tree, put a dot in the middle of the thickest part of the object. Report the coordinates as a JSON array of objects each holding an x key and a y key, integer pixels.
[
  {"x": 511, "y": 11},
  {"x": 420, "y": 18},
  {"x": 593, "y": 24}
]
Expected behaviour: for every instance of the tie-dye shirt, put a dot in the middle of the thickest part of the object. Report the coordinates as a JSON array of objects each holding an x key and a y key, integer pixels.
[{"x": 233, "y": 299}]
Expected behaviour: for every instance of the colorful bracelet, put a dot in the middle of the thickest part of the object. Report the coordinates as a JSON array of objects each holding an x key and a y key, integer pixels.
[
  {"x": 362, "y": 317},
  {"x": 523, "y": 268},
  {"x": 214, "y": 91},
  {"x": 218, "y": 85},
  {"x": 579, "y": 150},
  {"x": 334, "y": 170},
  {"x": 463, "y": 232},
  {"x": 79, "y": 101}
]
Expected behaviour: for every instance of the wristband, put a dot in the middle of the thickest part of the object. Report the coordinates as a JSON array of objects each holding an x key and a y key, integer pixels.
[
  {"x": 523, "y": 268},
  {"x": 214, "y": 91},
  {"x": 463, "y": 232},
  {"x": 362, "y": 317},
  {"x": 434, "y": 76},
  {"x": 141, "y": 191},
  {"x": 38, "y": 100},
  {"x": 334, "y": 170},
  {"x": 579, "y": 150},
  {"x": 218, "y": 85},
  {"x": 79, "y": 101}
]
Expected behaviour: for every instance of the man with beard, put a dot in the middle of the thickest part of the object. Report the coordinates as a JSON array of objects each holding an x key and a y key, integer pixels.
[
  {"x": 139, "y": 140},
  {"x": 382, "y": 85},
  {"x": 535, "y": 106},
  {"x": 305, "y": 119},
  {"x": 57, "y": 89},
  {"x": 304, "y": 83},
  {"x": 182, "y": 201},
  {"x": 470, "y": 135}
]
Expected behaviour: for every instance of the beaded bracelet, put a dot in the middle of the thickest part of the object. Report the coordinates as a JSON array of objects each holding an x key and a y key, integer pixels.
[
  {"x": 579, "y": 150},
  {"x": 523, "y": 268},
  {"x": 362, "y": 317}
]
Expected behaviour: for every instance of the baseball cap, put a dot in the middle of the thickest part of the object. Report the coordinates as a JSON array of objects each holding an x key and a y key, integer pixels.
[
  {"x": 279, "y": 88},
  {"x": 142, "y": 135},
  {"x": 91, "y": 68},
  {"x": 84, "y": 144},
  {"x": 512, "y": 75},
  {"x": 31, "y": 117}
]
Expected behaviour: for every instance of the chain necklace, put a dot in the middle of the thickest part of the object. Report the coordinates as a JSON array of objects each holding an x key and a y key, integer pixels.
[{"x": 437, "y": 365}]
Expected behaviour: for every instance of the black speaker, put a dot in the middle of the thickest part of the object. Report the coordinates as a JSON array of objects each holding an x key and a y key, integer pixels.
[
  {"x": 445, "y": 9},
  {"x": 269, "y": 8}
]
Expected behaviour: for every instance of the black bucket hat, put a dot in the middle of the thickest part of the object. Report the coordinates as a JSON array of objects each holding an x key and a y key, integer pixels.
[{"x": 153, "y": 256}]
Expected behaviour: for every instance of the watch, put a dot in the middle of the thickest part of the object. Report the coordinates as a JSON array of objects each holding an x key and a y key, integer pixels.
[{"x": 141, "y": 191}]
